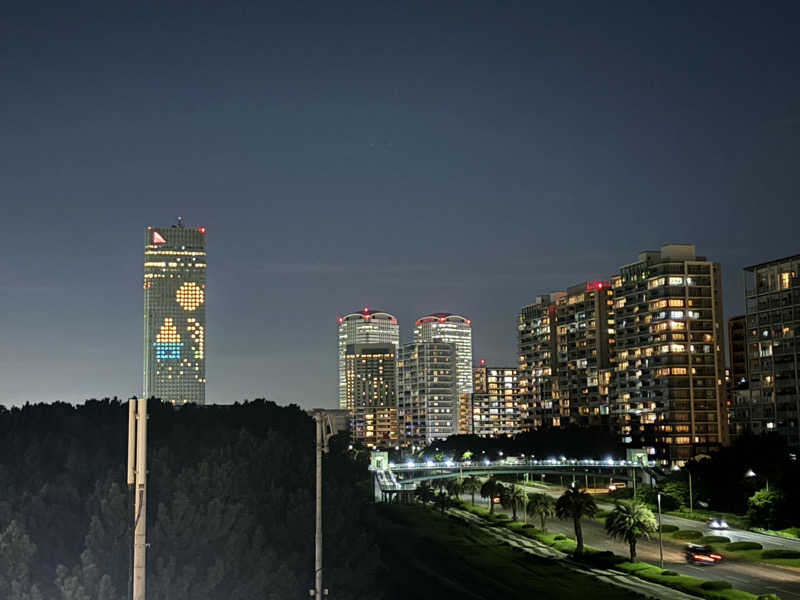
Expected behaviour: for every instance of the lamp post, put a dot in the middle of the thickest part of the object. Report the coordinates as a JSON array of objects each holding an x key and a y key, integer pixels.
[
  {"x": 691, "y": 496},
  {"x": 660, "y": 540},
  {"x": 751, "y": 473}
]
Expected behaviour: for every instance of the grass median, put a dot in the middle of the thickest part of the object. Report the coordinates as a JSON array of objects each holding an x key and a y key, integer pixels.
[
  {"x": 711, "y": 590},
  {"x": 428, "y": 556}
]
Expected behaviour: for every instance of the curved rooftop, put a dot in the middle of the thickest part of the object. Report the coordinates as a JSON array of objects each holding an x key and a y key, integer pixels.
[
  {"x": 444, "y": 317},
  {"x": 367, "y": 314}
]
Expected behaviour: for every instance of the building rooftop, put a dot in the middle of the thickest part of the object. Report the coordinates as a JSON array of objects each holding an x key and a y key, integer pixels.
[{"x": 772, "y": 262}]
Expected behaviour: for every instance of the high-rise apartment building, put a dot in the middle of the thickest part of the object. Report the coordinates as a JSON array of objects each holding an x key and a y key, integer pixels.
[
  {"x": 175, "y": 314},
  {"x": 450, "y": 329},
  {"x": 737, "y": 350},
  {"x": 668, "y": 388},
  {"x": 565, "y": 351},
  {"x": 371, "y": 397},
  {"x": 495, "y": 401},
  {"x": 427, "y": 396},
  {"x": 584, "y": 343},
  {"x": 364, "y": 327},
  {"x": 537, "y": 343},
  {"x": 772, "y": 401}
]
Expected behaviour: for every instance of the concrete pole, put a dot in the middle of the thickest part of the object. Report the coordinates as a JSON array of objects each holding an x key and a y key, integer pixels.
[
  {"x": 318, "y": 539},
  {"x": 140, "y": 524},
  {"x": 660, "y": 540},
  {"x": 131, "y": 479}
]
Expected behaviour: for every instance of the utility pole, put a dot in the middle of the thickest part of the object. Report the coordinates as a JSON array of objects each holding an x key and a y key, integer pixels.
[
  {"x": 137, "y": 447},
  {"x": 321, "y": 420},
  {"x": 660, "y": 541}
]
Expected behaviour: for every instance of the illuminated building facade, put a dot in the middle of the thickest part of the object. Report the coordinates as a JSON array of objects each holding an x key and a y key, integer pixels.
[
  {"x": 585, "y": 341},
  {"x": 450, "y": 329},
  {"x": 566, "y": 343},
  {"x": 668, "y": 389},
  {"x": 175, "y": 314},
  {"x": 536, "y": 336},
  {"x": 427, "y": 397},
  {"x": 370, "y": 375},
  {"x": 364, "y": 327},
  {"x": 772, "y": 352},
  {"x": 495, "y": 401},
  {"x": 465, "y": 414}
]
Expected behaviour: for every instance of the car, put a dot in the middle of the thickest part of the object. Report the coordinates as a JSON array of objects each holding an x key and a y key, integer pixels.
[
  {"x": 696, "y": 554},
  {"x": 717, "y": 523}
]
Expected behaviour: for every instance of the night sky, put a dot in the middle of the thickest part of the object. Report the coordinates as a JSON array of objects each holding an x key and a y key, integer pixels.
[{"x": 412, "y": 157}]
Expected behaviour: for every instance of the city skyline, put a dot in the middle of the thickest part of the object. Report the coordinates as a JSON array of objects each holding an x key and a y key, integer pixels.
[{"x": 456, "y": 157}]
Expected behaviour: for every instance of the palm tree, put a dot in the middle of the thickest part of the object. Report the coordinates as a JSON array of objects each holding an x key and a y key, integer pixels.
[
  {"x": 471, "y": 485},
  {"x": 424, "y": 492},
  {"x": 575, "y": 504},
  {"x": 453, "y": 488},
  {"x": 542, "y": 506},
  {"x": 629, "y": 522},
  {"x": 442, "y": 500},
  {"x": 491, "y": 489},
  {"x": 512, "y": 497}
]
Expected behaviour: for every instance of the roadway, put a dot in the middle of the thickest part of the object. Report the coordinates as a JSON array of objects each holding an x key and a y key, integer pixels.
[
  {"x": 735, "y": 535},
  {"x": 757, "y": 578}
]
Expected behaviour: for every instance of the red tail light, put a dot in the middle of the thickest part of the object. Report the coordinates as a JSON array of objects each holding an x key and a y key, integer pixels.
[
  {"x": 703, "y": 557},
  {"x": 715, "y": 556}
]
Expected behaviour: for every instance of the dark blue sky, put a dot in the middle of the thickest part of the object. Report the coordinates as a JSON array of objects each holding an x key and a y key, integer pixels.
[{"x": 414, "y": 157}]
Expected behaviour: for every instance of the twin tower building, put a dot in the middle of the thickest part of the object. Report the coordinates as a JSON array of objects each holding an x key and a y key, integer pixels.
[{"x": 411, "y": 393}]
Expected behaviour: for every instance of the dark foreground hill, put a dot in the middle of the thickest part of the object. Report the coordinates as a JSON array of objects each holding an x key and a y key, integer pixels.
[{"x": 230, "y": 505}]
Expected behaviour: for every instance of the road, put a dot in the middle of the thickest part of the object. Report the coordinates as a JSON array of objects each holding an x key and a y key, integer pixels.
[{"x": 757, "y": 578}]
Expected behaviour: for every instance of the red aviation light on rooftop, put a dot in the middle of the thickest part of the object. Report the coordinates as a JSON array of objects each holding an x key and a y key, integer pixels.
[
  {"x": 365, "y": 310},
  {"x": 483, "y": 361},
  {"x": 201, "y": 229},
  {"x": 596, "y": 285},
  {"x": 441, "y": 319},
  {"x": 469, "y": 321},
  {"x": 339, "y": 320}
]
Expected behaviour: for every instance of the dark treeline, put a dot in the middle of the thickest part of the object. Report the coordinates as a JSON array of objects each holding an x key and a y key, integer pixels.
[
  {"x": 572, "y": 442},
  {"x": 230, "y": 505}
]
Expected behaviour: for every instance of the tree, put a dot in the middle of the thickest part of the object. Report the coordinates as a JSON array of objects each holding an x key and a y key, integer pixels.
[
  {"x": 442, "y": 500},
  {"x": 470, "y": 485},
  {"x": 542, "y": 506},
  {"x": 424, "y": 492},
  {"x": 575, "y": 504},
  {"x": 512, "y": 497},
  {"x": 16, "y": 553},
  {"x": 453, "y": 488},
  {"x": 629, "y": 522},
  {"x": 764, "y": 507},
  {"x": 491, "y": 489}
]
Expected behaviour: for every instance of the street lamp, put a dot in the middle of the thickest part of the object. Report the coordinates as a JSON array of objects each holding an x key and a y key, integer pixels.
[
  {"x": 660, "y": 541},
  {"x": 752, "y": 474},
  {"x": 675, "y": 467}
]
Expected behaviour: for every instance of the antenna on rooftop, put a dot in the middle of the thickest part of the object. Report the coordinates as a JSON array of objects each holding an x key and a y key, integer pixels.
[{"x": 180, "y": 221}]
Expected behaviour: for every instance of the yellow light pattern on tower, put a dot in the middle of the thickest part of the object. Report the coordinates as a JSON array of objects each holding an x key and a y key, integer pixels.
[
  {"x": 168, "y": 332},
  {"x": 190, "y": 296},
  {"x": 198, "y": 338}
]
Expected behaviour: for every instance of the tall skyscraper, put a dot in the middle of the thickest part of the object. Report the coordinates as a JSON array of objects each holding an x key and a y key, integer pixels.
[
  {"x": 427, "y": 400},
  {"x": 450, "y": 329},
  {"x": 175, "y": 314},
  {"x": 370, "y": 373},
  {"x": 668, "y": 384},
  {"x": 772, "y": 334},
  {"x": 364, "y": 327}
]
